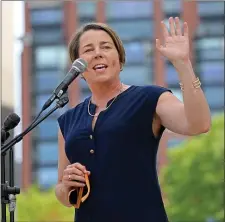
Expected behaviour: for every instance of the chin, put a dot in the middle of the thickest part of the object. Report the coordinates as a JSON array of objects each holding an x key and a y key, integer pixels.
[{"x": 103, "y": 78}]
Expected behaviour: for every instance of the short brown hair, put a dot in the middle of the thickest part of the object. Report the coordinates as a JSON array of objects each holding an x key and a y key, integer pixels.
[{"x": 74, "y": 43}]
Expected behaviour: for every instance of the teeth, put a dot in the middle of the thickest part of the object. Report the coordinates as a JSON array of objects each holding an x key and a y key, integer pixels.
[{"x": 99, "y": 66}]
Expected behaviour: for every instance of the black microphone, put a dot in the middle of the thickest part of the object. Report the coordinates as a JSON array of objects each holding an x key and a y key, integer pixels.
[
  {"x": 10, "y": 122},
  {"x": 78, "y": 67}
]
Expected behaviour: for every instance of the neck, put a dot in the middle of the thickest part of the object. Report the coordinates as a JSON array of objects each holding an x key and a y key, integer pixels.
[{"x": 103, "y": 92}]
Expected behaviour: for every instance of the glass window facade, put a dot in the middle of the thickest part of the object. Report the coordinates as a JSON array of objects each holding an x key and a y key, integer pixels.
[
  {"x": 125, "y": 28},
  {"x": 49, "y": 68},
  {"x": 137, "y": 51},
  {"x": 50, "y": 77},
  {"x": 128, "y": 9},
  {"x": 86, "y": 11},
  {"x": 212, "y": 72},
  {"x": 46, "y": 16},
  {"x": 209, "y": 51},
  {"x": 47, "y": 152},
  {"x": 41, "y": 35},
  {"x": 51, "y": 56},
  {"x": 210, "y": 8},
  {"x": 132, "y": 21},
  {"x": 172, "y": 7},
  {"x": 47, "y": 176}
]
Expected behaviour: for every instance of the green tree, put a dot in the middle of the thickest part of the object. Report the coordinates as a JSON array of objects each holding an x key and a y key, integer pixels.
[
  {"x": 193, "y": 180},
  {"x": 36, "y": 205}
]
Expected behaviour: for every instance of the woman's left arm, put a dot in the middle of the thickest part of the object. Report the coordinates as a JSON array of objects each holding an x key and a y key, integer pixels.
[{"x": 193, "y": 116}]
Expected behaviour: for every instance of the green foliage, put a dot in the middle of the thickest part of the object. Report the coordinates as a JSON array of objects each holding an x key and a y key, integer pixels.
[
  {"x": 36, "y": 205},
  {"x": 193, "y": 181}
]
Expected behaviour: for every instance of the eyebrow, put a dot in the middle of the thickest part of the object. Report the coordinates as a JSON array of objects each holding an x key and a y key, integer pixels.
[{"x": 101, "y": 43}]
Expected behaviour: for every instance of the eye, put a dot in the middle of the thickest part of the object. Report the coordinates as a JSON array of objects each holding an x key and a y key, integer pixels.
[
  {"x": 106, "y": 47},
  {"x": 88, "y": 50}
]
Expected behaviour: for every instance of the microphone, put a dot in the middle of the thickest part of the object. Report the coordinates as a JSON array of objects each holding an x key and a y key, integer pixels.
[
  {"x": 78, "y": 67},
  {"x": 10, "y": 122}
]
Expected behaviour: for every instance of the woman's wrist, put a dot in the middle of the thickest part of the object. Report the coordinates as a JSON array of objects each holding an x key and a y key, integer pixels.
[{"x": 62, "y": 192}]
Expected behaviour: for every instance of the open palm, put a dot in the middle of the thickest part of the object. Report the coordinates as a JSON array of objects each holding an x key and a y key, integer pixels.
[{"x": 176, "y": 44}]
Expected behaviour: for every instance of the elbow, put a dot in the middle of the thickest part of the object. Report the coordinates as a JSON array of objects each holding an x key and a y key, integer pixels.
[
  {"x": 200, "y": 129},
  {"x": 206, "y": 128}
]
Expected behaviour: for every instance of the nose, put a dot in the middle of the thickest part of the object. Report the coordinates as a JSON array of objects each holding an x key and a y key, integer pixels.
[{"x": 98, "y": 53}]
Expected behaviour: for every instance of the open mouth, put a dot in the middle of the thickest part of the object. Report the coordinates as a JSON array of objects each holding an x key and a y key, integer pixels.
[{"x": 100, "y": 67}]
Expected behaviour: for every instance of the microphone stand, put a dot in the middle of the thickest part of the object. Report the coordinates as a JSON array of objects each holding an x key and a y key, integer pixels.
[{"x": 8, "y": 191}]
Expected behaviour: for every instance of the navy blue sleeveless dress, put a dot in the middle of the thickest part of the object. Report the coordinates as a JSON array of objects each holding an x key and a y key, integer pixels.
[{"x": 121, "y": 155}]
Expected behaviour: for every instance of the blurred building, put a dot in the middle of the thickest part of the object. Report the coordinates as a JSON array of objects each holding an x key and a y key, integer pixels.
[{"x": 49, "y": 26}]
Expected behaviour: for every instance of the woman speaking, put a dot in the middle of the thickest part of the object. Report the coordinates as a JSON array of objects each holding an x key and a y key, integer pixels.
[{"x": 107, "y": 160}]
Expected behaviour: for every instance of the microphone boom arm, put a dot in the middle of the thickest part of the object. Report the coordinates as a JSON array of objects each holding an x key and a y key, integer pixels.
[{"x": 61, "y": 103}]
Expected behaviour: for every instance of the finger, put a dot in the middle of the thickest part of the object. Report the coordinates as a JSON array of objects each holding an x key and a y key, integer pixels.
[
  {"x": 164, "y": 30},
  {"x": 186, "y": 29},
  {"x": 80, "y": 167},
  {"x": 74, "y": 184},
  {"x": 75, "y": 171},
  {"x": 178, "y": 28},
  {"x": 73, "y": 177},
  {"x": 172, "y": 28}
]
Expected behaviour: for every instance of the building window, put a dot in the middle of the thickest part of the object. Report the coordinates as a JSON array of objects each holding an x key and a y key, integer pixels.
[
  {"x": 51, "y": 56},
  {"x": 208, "y": 8},
  {"x": 47, "y": 177},
  {"x": 50, "y": 78},
  {"x": 171, "y": 75},
  {"x": 172, "y": 7},
  {"x": 129, "y": 9},
  {"x": 125, "y": 29},
  {"x": 86, "y": 11},
  {"x": 45, "y": 36},
  {"x": 138, "y": 51},
  {"x": 215, "y": 96},
  {"x": 209, "y": 50},
  {"x": 47, "y": 153},
  {"x": 136, "y": 74},
  {"x": 46, "y": 16},
  {"x": 208, "y": 28},
  {"x": 48, "y": 129},
  {"x": 212, "y": 72}
]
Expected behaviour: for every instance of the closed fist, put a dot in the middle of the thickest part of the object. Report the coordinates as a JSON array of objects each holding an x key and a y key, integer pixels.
[{"x": 73, "y": 175}]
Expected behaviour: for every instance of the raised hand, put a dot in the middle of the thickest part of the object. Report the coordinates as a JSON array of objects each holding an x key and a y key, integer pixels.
[{"x": 176, "y": 43}]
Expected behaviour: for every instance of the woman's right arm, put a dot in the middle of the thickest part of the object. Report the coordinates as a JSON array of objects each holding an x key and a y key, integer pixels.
[
  {"x": 62, "y": 191},
  {"x": 70, "y": 176}
]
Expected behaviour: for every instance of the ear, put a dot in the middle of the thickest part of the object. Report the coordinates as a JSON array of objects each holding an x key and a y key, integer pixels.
[{"x": 121, "y": 66}]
